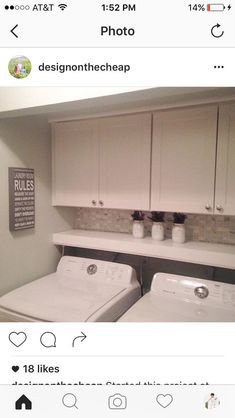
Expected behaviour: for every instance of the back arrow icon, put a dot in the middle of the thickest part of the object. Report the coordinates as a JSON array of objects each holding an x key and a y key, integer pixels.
[
  {"x": 12, "y": 31},
  {"x": 213, "y": 31}
]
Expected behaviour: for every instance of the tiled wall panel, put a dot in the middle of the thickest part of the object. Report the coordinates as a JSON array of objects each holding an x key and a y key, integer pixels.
[{"x": 207, "y": 228}]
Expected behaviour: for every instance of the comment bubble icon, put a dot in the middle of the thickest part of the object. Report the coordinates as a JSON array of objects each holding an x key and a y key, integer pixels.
[{"x": 48, "y": 340}]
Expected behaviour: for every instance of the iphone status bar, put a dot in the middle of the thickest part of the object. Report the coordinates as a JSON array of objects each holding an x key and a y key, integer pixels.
[{"x": 122, "y": 24}]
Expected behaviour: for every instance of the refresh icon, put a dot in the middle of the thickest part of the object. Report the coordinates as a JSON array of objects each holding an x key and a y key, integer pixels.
[{"x": 215, "y": 32}]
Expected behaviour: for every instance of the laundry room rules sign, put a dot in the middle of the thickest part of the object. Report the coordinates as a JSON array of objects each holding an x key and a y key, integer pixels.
[{"x": 21, "y": 198}]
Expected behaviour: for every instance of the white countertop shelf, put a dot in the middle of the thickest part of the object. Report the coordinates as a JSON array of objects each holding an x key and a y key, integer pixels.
[{"x": 217, "y": 255}]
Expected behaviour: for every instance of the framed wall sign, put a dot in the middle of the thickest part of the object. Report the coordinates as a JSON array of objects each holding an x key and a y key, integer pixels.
[{"x": 21, "y": 198}]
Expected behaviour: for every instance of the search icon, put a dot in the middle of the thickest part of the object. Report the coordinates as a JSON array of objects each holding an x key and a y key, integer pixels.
[{"x": 69, "y": 400}]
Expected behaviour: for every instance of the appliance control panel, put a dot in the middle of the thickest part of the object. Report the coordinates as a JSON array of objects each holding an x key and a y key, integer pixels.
[
  {"x": 86, "y": 268},
  {"x": 193, "y": 289}
]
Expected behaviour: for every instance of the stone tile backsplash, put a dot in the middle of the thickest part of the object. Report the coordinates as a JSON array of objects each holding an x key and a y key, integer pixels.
[{"x": 207, "y": 228}]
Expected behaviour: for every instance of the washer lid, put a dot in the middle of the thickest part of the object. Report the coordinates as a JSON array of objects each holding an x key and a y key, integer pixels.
[
  {"x": 153, "y": 308},
  {"x": 175, "y": 298},
  {"x": 208, "y": 293},
  {"x": 58, "y": 298}
]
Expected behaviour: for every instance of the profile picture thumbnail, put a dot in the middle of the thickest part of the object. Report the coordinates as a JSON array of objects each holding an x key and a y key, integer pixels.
[
  {"x": 20, "y": 66},
  {"x": 212, "y": 401}
]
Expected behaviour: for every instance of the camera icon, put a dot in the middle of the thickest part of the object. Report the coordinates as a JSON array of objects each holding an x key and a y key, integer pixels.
[{"x": 117, "y": 401}]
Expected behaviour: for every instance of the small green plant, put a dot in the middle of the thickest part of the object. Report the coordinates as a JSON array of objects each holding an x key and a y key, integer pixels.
[
  {"x": 138, "y": 215},
  {"x": 179, "y": 218},
  {"x": 157, "y": 216}
]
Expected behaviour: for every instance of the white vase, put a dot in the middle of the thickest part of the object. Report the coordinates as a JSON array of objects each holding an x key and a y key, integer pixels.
[
  {"x": 138, "y": 229},
  {"x": 178, "y": 233},
  {"x": 158, "y": 231}
]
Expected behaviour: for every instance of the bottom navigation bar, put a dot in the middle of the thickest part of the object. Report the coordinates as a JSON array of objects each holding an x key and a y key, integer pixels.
[{"x": 167, "y": 401}]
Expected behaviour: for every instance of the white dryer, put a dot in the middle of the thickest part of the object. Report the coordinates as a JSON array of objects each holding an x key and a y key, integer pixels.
[
  {"x": 80, "y": 290},
  {"x": 175, "y": 298}
]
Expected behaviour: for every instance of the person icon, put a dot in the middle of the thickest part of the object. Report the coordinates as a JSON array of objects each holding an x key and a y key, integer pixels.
[{"x": 212, "y": 402}]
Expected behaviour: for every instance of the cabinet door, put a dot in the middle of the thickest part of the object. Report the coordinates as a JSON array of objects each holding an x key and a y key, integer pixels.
[
  {"x": 225, "y": 172},
  {"x": 183, "y": 160},
  {"x": 75, "y": 163},
  {"x": 125, "y": 148}
]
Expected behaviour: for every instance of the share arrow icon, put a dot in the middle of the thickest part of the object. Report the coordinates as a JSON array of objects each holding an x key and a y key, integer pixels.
[{"x": 79, "y": 338}]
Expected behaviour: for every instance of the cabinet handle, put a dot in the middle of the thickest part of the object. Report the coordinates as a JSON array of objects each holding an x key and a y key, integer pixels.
[
  {"x": 101, "y": 202},
  {"x": 208, "y": 207},
  {"x": 219, "y": 208},
  {"x": 93, "y": 202}
]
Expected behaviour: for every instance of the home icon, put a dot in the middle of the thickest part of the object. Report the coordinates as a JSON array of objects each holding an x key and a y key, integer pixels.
[{"x": 23, "y": 403}]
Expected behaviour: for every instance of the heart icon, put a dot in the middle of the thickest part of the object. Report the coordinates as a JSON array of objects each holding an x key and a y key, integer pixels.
[
  {"x": 15, "y": 368},
  {"x": 164, "y": 400},
  {"x": 17, "y": 338}
]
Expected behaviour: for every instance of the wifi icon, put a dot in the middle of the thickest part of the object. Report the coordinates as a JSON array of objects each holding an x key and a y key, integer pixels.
[{"x": 62, "y": 6}]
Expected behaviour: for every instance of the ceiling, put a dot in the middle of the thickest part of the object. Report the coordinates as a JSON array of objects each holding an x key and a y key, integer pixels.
[{"x": 109, "y": 104}]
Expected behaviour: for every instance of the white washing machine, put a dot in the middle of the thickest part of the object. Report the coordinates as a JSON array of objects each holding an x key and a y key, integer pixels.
[
  {"x": 175, "y": 298},
  {"x": 80, "y": 290}
]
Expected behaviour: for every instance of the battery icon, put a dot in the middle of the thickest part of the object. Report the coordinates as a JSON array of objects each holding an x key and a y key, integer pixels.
[{"x": 212, "y": 7}]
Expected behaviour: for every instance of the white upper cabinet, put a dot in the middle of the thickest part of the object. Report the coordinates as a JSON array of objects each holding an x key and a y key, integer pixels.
[
  {"x": 103, "y": 162},
  {"x": 225, "y": 169},
  {"x": 107, "y": 163},
  {"x": 183, "y": 160},
  {"x": 125, "y": 150},
  {"x": 75, "y": 163}
]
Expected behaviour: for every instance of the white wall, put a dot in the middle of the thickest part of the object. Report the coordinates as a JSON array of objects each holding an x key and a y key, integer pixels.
[
  {"x": 13, "y": 98},
  {"x": 29, "y": 254}
]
